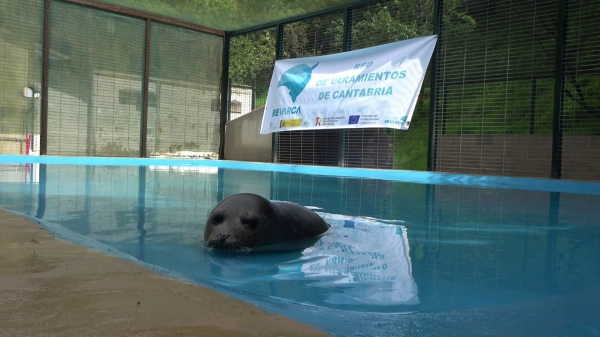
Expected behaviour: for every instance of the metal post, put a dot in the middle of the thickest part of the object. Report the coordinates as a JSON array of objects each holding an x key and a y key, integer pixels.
[
  {"x": 141, "y": 209},
  {"x": 437, "y": 28},
  {"x": 146, "y": 89},
  {"x": 346, "y": 46},
  {"x": 45, "y": 71},
  {"x": 559, "y": 86},
  {"x": 532, "y": 99},
  {"x": 444, "y": 108},
  {"x": 347, "y": 34},
  {"x": 41, "y": 209},
  {"x": 279, "y": 42},
  {"x": 279, "y": 35},
  {"x": 224, "y": 95},
  {"x": 253, "y": 98},
  {"x": 550, "y": 263}
]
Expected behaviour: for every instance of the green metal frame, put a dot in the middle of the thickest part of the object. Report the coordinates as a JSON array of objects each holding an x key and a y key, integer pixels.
[
  {"x": 437, "y": 23},
  {"x": 559, "y": 88},
  {"x": 224, "y": 95},
  {"x": 146, "y": 89},
  {"x": 559, "y": 76},
  {"x": 129, "y": 12}
]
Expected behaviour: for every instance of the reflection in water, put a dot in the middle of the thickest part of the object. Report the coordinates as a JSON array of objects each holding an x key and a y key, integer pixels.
[
  {"x": 473, "y": 252},
  {"x": 369, "y": 260},
  {"x": 358, "y": 262}
]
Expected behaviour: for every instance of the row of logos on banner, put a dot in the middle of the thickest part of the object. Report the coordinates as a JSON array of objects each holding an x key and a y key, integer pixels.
[{"x": 338, "y": 121}]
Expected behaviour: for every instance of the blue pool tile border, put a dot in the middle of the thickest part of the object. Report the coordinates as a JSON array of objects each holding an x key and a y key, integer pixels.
[{"x": 419, "y": 177}]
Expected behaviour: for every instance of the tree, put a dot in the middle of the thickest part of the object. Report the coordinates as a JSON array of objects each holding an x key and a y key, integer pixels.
[{"x": 252, "y": 56}]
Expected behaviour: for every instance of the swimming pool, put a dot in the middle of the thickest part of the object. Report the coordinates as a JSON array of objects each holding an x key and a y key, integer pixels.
[{"x": 409, "y": 253}]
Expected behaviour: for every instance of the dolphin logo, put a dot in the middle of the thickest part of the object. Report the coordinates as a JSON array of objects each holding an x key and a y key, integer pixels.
[{"x": 296, "y": 79}]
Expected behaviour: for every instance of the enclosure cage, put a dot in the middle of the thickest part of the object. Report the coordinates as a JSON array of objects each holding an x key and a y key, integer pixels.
[{"x": 513, "y": 87}]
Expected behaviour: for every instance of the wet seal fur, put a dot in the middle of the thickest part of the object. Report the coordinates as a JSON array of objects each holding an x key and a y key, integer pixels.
[{"x": 250, "y": 222}]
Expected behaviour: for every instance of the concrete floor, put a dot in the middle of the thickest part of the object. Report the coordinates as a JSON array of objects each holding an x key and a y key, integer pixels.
[{"x": 50, "y": 287}]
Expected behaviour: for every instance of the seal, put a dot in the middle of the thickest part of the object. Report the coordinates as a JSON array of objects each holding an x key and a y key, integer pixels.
[{"x": 249, "y": 221}]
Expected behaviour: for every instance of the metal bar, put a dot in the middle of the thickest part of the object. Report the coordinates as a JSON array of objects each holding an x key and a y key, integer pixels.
[
  {"x": 45, "y": 79},
  {"x": 559, "y": 86},
  {"x": 532, "y": 106},
  {"x": 301, "y": 17},
  {"x": 551, "y": 251},
  {"x": 220, "y": 180},
  {"x": 346, "y": 46},
  {"x": 13, "y": 139},
  {"x": 437, "y": 27},
  {"x": 513, "y": 78},
  {"x": 91, "y": 125},
  {"x": 41, "y": 210},
  {"x": 224, "y": 95},
  {"x": 253, "y": 98},
  {"x": 347, "y": 34},
  {"x": 279, "y": 35},
  {"x": 145, "y": 93},
  {"x": 444, "y": 108},
  {"x": 145, "y": 15},
  {"x": 431, "y": 226},
  {"x": 273, "y": 186},
  {"x": 141, "y": 211}
]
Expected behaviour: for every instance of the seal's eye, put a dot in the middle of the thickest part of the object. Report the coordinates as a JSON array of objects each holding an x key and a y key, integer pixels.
[
  {"x": 251, "y": 223},
  {"x": 217, "y": 219}
]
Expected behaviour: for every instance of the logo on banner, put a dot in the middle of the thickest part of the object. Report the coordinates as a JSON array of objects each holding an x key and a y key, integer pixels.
[
  {"x": 318, "y": 121},
  {"x": 353, "y": 119},
  {"x": 296, "y": 79},
  {"x": 400, "y": 121},
  {"x": 285, "y": 123}
]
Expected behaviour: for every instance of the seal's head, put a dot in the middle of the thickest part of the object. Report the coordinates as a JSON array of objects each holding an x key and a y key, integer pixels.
[{"x": 241, "y": 221}]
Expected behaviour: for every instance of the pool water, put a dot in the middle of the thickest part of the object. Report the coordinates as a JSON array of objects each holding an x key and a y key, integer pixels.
[{"x": 401, "y": 258}]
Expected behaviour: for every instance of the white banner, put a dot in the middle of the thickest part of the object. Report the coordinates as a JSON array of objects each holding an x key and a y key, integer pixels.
[{"x": 371, "y": 87}]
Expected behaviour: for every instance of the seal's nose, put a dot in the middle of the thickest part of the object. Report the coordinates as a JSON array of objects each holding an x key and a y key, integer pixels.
[
  {"x": 218, "y": 241},
  {"x": 222, "y": 239}
]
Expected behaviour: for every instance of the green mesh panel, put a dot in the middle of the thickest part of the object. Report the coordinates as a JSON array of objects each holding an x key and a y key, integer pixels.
[
  {"x": 21, "y": 39},
  {"x": 375, "y": 24},
  {"x": 580, "y": 143},
  {"x": 185, "y": 72},
  {"x": 495, "y": 97},
  {"x": 251, "y": 61},
  {"x": 95, "y": 82},
  {"x": 319, "y": 35}
]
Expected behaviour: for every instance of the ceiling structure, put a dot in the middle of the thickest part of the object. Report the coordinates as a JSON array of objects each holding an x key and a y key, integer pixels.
[{"x": 229, "y": 15}]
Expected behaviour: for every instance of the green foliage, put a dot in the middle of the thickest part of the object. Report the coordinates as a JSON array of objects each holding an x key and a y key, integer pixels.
[
  {"x": 252, "y": 57},
  {"x": 228, "y": 14},
  {"x": 499, "y": 108},
  {"x": 581, "y": 114},
  {"x": 313, "y": 37},
  {"x": 411, "y": 146},
  {"x": 390, "y": 21},
  {"x": 499, "y": 77}
]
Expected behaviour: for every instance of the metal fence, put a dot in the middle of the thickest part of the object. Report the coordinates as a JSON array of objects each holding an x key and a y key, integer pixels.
[
  {"x": 83, "y": 78},
  {"x": 512, "y": 88}
]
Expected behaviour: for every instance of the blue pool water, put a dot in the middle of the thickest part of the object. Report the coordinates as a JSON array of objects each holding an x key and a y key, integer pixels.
[{"x": 408, "y": 254}]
